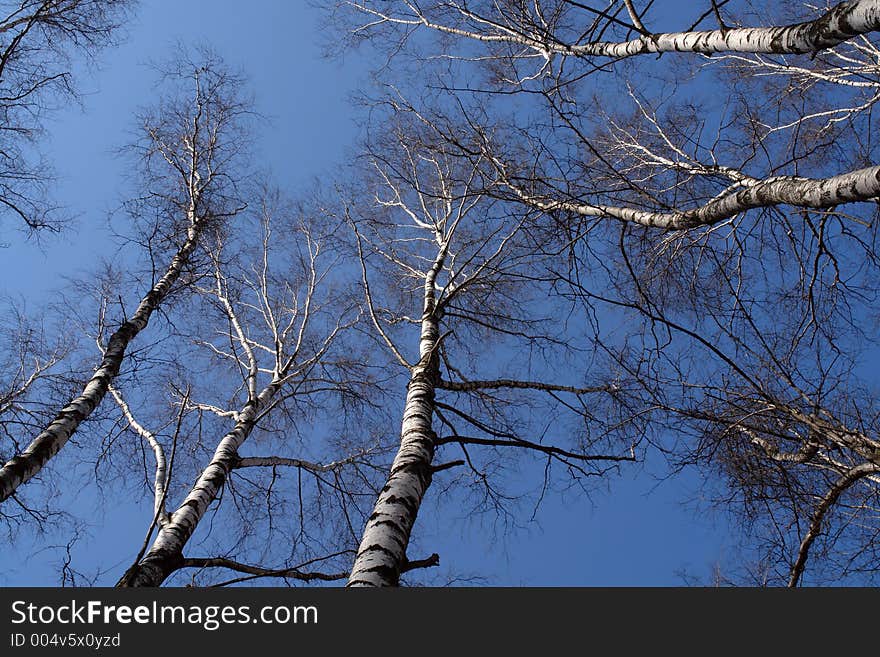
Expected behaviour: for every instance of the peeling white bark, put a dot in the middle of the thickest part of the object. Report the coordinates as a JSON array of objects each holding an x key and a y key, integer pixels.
[
  {"x": 166, "y": 554},
  {"x": 22, "y": 467},
  {"x": 382, "y": 552},
  {"x": 861, "y": 185},
  {"x": 841, "y": 23}
]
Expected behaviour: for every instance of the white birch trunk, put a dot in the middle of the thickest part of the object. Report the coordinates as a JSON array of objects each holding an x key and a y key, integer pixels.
[
  {"x": 166, "y": 554},
  {"x": 22, "y": 467},
  {"x": 382, "y": 552}
]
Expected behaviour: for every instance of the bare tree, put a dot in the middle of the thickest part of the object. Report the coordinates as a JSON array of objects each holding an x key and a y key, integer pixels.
[
  {"x": 564, "y": 255},
  {"x": 38, "y": 39},
  {"x": 758, "y": 381},
  {"x": 277, "y": 315},
  {"x": 719, "y": 213},
  {"x": 244, "y": 385},
  {"x": 190, "y": 150},
  {"x": 473, "y": 285}
]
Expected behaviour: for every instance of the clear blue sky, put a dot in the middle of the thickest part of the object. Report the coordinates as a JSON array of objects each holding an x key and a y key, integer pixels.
[{"x": 637, "y": 533}]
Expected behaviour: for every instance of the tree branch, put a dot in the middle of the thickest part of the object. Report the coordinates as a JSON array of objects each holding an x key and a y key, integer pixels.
[
  {"x": 838, "y": 25},
  {"x": 468, "y": 386},
  {"x": 256, "y": 571},
  {"x": 847, "y": 480},
  {"x": 519, "y": 442},
  {"x": 817, "y": 193},
  {"x": 429, "y": 562}
]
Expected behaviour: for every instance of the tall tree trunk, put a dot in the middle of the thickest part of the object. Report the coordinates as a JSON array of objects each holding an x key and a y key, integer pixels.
[
  {"x": 382, "y": 552},
  {"x": 166, "y": 554},
  {"x": 22, "y": 467}
]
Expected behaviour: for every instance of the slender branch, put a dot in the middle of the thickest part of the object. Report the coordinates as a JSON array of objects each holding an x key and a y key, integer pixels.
[
  {"x": 634, "y": 17},
  {"x": 468, "y": 386},
  {"x": 825, "y": 504},
  {"x": 446, "y": 466},
  {"x": 274, "y": 461},
  {"x": 806, "y": 452},
  {"x": 160, "y": 482},
  {"x": 292, "y": 573},
  {"x": 519, "y": 442},
  {"x": 403, "y": 361}
]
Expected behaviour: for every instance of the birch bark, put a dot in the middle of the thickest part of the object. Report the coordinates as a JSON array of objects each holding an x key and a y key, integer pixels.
[
  {"x": 288, "y": 328},
  {"x": 819, "y": 193},
  {"x": 22, "y": 467},
  {"x": 189, "y": 153},
  {"x": 838, "y": 25},
  {"x": 382, "y": 552},
  {"x": 166, "y": 554}
]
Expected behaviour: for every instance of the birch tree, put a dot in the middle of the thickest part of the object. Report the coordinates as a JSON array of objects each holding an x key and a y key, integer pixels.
[
  {"x": 189, "y": 153},
  {"x": 553, "y": 51},
  {"x": 754, "y": 372},
  {"x": 722, "y": 208},
  {"x": 472, "y": 286},
  {"x": 791, "y": 430},
  {"x": 39, "y": 39},
  {"x": 240, "y": 405},
  {"x": 599, "y": 232},
  {"x": 271, "y": 360}
]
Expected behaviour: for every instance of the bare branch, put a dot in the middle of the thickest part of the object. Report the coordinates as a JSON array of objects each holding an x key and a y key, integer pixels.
[
  {"x": 855, "y": 186},
  {"x": 257, "y": 572},
  {"x": 470, "y": 386},
  {"x": 825, "y": 504}
]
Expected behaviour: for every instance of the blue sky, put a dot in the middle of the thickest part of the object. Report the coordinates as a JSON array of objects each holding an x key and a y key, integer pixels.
[{"x": 639, "y": 532}]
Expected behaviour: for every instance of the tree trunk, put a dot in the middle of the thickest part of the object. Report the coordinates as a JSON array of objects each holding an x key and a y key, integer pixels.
[
  {"x": 382, "y": 552},
  {"x": 22, "y": 467},
  {"x": 166, "y": 554}
]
